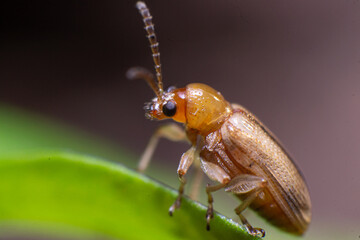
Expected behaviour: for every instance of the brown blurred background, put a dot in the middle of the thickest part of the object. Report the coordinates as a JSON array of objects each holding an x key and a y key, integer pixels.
[{"x": 295, "y": 64}]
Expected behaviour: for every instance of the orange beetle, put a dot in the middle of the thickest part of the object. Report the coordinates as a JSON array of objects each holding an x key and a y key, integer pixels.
[{"x": 233, "y": 147}]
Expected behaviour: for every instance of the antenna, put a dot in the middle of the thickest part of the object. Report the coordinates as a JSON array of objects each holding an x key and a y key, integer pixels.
[
  {"x": 142, "y": 73},
  {"x": 154, "y": 44}
]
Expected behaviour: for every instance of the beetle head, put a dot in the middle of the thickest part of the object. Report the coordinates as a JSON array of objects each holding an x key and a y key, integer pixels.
[{"x": 170, "y": 104}]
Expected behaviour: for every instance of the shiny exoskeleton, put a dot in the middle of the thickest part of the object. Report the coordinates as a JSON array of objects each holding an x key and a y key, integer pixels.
[{"x": 230, "y": 145}]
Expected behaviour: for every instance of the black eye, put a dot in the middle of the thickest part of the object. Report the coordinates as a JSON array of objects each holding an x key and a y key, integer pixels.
[{"x": 169, "y": 108}]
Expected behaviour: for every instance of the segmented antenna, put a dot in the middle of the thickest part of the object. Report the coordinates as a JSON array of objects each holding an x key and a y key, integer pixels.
[
  {"x": 142, "y": 73},
  {"x": 154, "y": 44}
]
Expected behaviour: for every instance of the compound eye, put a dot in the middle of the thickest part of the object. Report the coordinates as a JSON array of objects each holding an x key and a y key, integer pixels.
[{"x": 169, "y": 108}]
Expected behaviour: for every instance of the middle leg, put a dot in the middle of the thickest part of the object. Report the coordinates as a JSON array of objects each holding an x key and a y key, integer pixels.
[{"x": 210, "y": 210}]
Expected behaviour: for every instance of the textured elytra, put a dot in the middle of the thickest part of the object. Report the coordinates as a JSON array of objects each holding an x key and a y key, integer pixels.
[{"x": 257, "y": 152}]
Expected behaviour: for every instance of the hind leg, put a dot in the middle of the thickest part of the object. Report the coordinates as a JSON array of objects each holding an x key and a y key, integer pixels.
[
  {"x": 252, "y": 186},
  {"x": 253, "y": 231}
]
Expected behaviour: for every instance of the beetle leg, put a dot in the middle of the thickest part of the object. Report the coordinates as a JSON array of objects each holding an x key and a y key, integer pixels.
[
  {"x": 169, "y": 131},
  {"x": 252, "y": 186},
  {"x": 186, "y": 160},
  {"x": 210, "y": 210},
  {"x": 253, "y": 231},
  {"x": 177, "y": 202}
]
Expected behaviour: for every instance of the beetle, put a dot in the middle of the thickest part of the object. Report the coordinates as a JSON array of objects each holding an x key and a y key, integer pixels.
[{"x": 231, "y": 146}]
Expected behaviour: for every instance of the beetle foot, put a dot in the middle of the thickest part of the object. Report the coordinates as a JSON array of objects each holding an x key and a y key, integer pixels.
[
  {"x": 175, "y": 206},
  {"x": 259, "y": 232},
  {"x": 209, "y": 216}
]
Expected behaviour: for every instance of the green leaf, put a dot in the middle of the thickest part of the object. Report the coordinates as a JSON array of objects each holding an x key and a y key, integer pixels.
[{"x": 105, "y": 198}]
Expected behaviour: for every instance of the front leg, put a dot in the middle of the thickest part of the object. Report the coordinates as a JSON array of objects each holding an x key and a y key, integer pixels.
[
  {"x": 186, "y": 160},
  {"x": 169, "y": 131}
]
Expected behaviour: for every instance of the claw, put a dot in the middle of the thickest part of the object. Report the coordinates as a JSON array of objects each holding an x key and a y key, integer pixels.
[
  {"x": 175, "y": 206},
  {"x": 258, "y": 232},
  {"x": 171, "y": 210}
]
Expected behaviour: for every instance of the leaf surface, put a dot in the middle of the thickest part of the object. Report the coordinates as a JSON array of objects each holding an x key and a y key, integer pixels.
[{"x": 102, "y": 197}]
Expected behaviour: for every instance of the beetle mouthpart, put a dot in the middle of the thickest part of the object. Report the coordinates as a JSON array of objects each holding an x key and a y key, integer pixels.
[
  {"x": 149, "y": 116},
  {"x": 147, "y": 106},
  {"x": 148, "y": 109}
]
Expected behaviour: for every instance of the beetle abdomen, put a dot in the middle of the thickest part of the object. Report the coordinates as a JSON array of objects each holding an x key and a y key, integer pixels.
[
  {"x": 267, "y": 207},
  {"x": 244, "y": 146},
  {"x": 257, "y": 150}
]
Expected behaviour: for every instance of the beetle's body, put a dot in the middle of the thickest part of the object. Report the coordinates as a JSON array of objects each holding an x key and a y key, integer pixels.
[
  {"x": 236, "y": 142},
  {"x": 234, "y": 148},
  {"x": 244, "y": 146}
]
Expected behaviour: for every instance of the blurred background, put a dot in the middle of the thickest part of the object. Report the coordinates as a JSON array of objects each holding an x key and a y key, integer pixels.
[{"x": 294, "y": 64}]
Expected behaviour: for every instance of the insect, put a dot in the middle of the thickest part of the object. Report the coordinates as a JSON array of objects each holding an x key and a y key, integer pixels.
[{"x": 229, "y": 144}]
